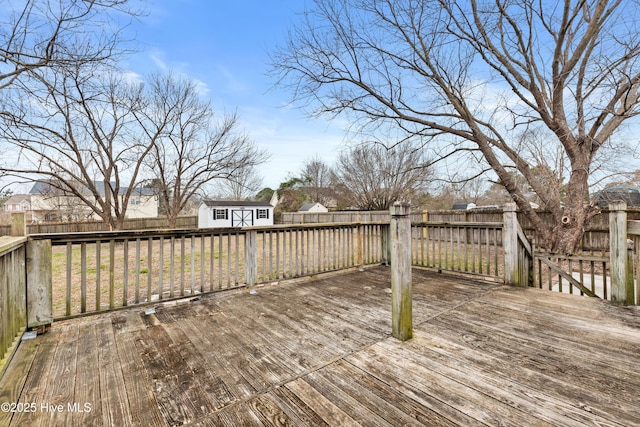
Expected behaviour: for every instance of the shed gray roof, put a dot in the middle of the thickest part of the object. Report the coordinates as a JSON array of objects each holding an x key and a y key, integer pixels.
[{"x": 241, "y": 203}]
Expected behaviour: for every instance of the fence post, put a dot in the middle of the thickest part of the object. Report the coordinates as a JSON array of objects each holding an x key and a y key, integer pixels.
[
  {"x": 39, "y": 285},
  {"x": 510, "y": 243},
  {"x": 401, "y": 295},
  {"x": 250, "y": 259},
  {"x": 18, "y": 224},
  {"x": 620, "y": 292}
]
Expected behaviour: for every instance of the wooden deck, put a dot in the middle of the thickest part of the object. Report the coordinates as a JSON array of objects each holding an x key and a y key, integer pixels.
[{"x": 319, "y": 352}]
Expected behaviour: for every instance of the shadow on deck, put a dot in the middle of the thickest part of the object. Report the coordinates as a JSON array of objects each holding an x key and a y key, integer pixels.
[{"x": 320, "y": 353}]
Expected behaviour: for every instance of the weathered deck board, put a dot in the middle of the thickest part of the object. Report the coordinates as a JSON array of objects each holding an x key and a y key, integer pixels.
[
  {"x": 142, "y": 403},
  {"x": 12, "y": 383},
  {"x": 314, "y": 353},
  {"x": 87, "y": 385}
]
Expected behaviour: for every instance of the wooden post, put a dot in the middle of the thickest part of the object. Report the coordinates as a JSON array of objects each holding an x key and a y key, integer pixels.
[
  {"x": 425, "y": 218},
  {"x": 385, "y": 244},
  {"x": 618, "y": 251},
  {"x": 633, "y": 230},
  {"x": 39, "y": 285},
  {"x": 359, "y": 249},
  {"x": 401, "y": 295},
  {"x": 250, "y": 259},
  {"x": 18, "y": 224},
  {"x": 630, "y": 285},
  {"x": 510, "y": 243}
]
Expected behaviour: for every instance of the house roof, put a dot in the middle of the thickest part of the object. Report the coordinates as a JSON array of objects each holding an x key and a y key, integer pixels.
[
  {"x": 46, "y": 187},
  {"x": 43, "y": 187},
  {"x": 17, "y": 199},
  {"x": 308, "y": 206},
  {"x": 241, "y": 203}
]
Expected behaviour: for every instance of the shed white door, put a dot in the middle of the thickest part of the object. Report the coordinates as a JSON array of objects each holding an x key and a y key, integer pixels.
[{"x": 241, "y": 218}]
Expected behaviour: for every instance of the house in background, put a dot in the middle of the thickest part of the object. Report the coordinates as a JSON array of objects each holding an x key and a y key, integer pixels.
[
  {"x": 143, "y": 203},
  {"x": 49, "y": 203},
  {"x": 234, "y": 213},
  {"x": 18, "y": 203},
  {"x": 313, "y": 208}
]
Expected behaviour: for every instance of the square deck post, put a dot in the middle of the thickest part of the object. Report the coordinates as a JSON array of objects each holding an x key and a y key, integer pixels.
[
  {"x": 510, "y": 243},
  {"x": 621, "y": 287},
  {"x": 39, "y": 285},
  {"x": 401, "y": 292}
]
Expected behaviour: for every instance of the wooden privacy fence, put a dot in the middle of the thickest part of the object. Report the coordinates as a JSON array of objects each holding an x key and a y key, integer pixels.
[
  {"x": 341, "y": 216},
  {"x": 94, "y": 272},
  {"x": 187, "y": 222}
]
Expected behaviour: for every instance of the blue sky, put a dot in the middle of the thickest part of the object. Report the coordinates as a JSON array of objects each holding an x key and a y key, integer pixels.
[{"x": 224, "y": 46}]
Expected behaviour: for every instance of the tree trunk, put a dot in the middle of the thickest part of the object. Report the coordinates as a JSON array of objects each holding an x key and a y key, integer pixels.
[
  {"x": 573, "y": 218},
  {"x": 172, "y": 221}
]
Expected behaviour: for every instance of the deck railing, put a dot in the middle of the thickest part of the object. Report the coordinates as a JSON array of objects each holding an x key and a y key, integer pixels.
[
  {"x": 472, "y": 248},
  {"x": 94, "y": 272},
  {"x": 608, "y": 274},
  {"x": 572, "y": 274},
  {"x": 13, "y": 295}
]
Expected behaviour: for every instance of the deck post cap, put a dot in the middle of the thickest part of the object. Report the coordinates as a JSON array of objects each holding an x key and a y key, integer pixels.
[
  {"x": 617, "y": 205},
  {"x": 400, "y": 209},
  {"x": 510, "y": 207}
]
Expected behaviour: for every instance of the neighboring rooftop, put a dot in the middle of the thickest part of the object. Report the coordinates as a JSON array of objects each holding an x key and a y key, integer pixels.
[
  {"x": 45, "y": 187},
  {"x": 239, "y": 203},
  {"x": 17, "y": 199}
]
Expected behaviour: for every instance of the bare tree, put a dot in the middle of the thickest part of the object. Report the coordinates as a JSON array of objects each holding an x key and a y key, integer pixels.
[
  {"x": 40, "y": 34},
  {"x": 317, "y": 177},
  {"x": 374, "y": 177},
  {"x": 79, "y": 134},
  {"x": 245, "y": 183},
  {"x": 472, "y": 75},
  {"x": 193, "y": 150}
]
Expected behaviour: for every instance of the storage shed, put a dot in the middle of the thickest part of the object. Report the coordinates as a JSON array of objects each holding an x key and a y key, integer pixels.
[{"x": 234, "y": 213}]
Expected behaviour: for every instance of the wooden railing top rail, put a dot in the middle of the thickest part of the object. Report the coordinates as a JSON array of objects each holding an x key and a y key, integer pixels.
[
  {"x": 459, "y": 224},
  {"x": 8, "y": 243},
  {"x": 120, "y": 235},
  {"x": 58, "y": 238},
  {"x": 314, "y": 225}
]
